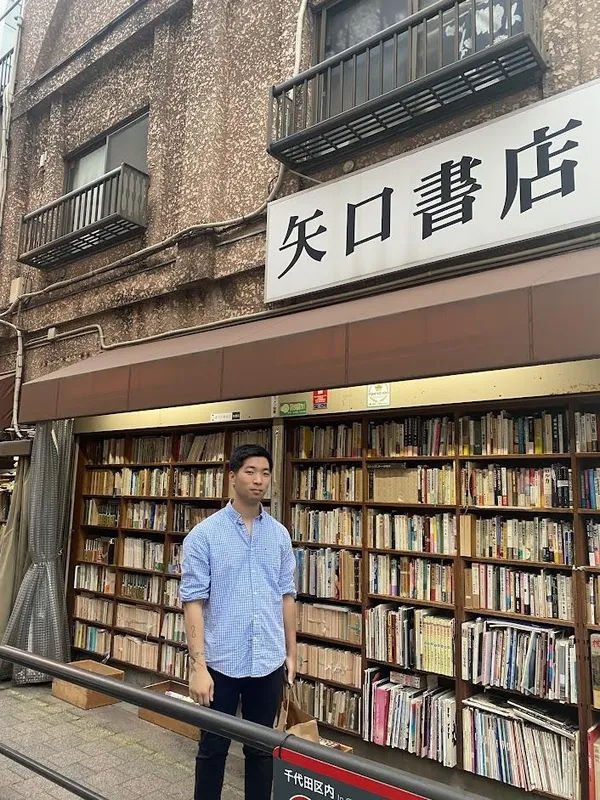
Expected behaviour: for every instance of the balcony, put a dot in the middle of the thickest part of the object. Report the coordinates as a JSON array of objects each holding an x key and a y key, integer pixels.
[
  {"x": 99, "y": 215},
  {"x": 447, "y": 57}
]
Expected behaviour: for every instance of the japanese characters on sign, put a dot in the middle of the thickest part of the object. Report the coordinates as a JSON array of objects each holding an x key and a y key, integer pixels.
[
  {"x": 524, "y": 175},
  {"x": 308, "y": 779}
]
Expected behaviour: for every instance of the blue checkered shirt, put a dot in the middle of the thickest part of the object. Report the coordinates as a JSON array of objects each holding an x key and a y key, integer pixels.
[{"x": 242, "y": 580}]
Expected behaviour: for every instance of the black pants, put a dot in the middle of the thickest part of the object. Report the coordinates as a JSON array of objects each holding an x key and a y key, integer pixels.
[{"x": 260, "y": 703}]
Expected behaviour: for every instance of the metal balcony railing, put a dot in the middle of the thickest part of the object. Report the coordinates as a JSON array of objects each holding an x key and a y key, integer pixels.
[
  {"x": 450, "y": 55},
  {"x": 109, "y": 210}
]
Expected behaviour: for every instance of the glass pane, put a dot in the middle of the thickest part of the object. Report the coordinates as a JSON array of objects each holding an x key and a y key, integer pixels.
[
  {"x": 85, "y": 209},
  {"x": 129, "y": 146},
  {"x": 350, "y": 23},
  {"x": 8, "y": 27},
  {"x": 88, "y": 168}
]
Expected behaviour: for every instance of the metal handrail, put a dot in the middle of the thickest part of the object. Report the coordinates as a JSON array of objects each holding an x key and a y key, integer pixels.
[{"x": 232, "y": 727}]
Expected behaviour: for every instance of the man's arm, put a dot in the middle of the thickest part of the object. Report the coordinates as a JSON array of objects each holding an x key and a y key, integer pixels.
[
  {"x": 201, "y": 683},
  {"x": 193, "y": 592},
  {"x": 289, "y": 626}
]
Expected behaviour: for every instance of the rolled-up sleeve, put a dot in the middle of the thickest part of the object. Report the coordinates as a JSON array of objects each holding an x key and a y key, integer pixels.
[
  {"x": 287, "y": 580},
  {"x": 195, "y": 578}
]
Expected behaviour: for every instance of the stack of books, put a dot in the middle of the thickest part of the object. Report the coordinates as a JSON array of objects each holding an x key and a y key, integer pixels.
[
  {"x": 521, "y": 745},
  {"x": 418, "y": 719},
  {"x": 331, "y": 622},
  {"x": 411, "y": 578},
  {"x": 412, "y": 485},
  {"x": 521, "y": 657},
  {"x": 541, "y": 594},
  {"x": 411, "y": 437}
]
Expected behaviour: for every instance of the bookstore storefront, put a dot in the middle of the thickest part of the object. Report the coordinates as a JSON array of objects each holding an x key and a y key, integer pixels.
[{"x": 442, "y": 492}]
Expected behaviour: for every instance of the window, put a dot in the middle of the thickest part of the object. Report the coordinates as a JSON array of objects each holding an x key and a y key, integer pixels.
[
  {"x": 129, "y": 145},
  {"x": 345, "y": 23}
]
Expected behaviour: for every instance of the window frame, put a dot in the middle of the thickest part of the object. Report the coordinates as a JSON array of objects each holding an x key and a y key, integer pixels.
[
  {"x": 320, "y": 27},
  {"x": 71, "y": 159}
]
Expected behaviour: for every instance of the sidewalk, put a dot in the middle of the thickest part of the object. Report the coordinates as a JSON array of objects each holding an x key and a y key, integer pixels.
[{"x": 108, "y": 749}]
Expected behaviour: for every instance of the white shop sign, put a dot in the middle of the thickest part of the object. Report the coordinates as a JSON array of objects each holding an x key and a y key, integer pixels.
[{"x": 526, "y": 174}]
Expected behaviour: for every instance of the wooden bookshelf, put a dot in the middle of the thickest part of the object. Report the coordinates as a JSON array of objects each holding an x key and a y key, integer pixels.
[
  {"x": 365, "y": 461},
  {"x": 525, "y": 514},
  {"x": 166, "y": 534}
]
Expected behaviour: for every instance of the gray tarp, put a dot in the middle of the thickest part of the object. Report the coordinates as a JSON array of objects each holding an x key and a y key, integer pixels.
[
  {"x": 14, "y": 556},
  {"x": 39, "y": 622}
]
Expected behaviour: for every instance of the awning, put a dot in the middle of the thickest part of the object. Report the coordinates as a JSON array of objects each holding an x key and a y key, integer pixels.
[
  {"x": 538, "y": 312},
  {"x": 7, "y": 390}
]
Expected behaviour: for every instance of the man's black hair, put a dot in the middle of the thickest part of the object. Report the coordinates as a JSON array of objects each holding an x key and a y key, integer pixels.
[{"x": 244, "y": 451}]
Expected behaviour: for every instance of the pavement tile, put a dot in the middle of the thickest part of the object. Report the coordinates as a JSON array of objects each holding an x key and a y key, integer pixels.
[
  {"x": 8, "y": 778},
  {"x": 66, "y": 758}
]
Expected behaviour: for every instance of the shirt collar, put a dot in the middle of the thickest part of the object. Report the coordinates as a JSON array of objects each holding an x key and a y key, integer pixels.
[{"x": 236, "y": 516}]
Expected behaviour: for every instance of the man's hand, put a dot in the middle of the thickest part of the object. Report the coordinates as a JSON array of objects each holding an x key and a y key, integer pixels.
[
  {"x": 290, "y": 666},
  {"x": 202, "y": 686}
]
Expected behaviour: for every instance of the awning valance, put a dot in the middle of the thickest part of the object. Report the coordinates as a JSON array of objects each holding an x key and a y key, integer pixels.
[{"x": 538, "y": 312}]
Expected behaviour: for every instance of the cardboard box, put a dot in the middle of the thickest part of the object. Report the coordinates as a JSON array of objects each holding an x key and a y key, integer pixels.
[
  {"x": 183, "y": 728},
  {"x": 344, "y": 748},
  {"x": 86, "y": 698}
]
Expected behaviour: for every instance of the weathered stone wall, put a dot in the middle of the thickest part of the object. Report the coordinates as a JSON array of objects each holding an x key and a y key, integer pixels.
[{"x": 204, "y": 69}]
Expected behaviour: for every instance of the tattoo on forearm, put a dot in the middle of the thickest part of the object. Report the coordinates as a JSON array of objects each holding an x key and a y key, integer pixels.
[{"x": 193, "y": 632}]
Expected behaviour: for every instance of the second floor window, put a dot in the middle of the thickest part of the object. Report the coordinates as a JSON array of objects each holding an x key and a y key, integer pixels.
[
  {"x": 126, "y": 145},
  {"x": 433, "y": 43}
]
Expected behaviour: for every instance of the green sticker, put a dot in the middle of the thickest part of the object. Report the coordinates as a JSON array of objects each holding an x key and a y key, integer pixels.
[{"x": 294, "y": 409}]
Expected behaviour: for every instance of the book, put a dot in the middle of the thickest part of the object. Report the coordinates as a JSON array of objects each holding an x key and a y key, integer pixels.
[
  {"x": 91, "y": 638},
  {"x": 93, "y": 609},
  {"x": 139, "y": 652},
  {"x": 95, "y": 578},
  {"x": 391, "y": 483},
  {"x": 501, "y": 433},
  {"x": 595, "y": 664},
  {"x": 146, "y": 515},
  {"x": 410, "y": 638},
  {"x": 142, "y": 620},
  {"x": 418, "y": 720},
  {"x": 328, "y": 482},
  {"x": 593, "y": 750},
  {"x": 143, "y": 554},
  {"x": 150, "y": 449}
]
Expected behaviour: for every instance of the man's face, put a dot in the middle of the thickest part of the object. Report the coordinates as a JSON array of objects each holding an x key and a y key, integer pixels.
[{"x": 251, "y": 481}]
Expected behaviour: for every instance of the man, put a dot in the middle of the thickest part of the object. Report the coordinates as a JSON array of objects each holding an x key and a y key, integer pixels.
[{"x": 238, "y": 597}]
